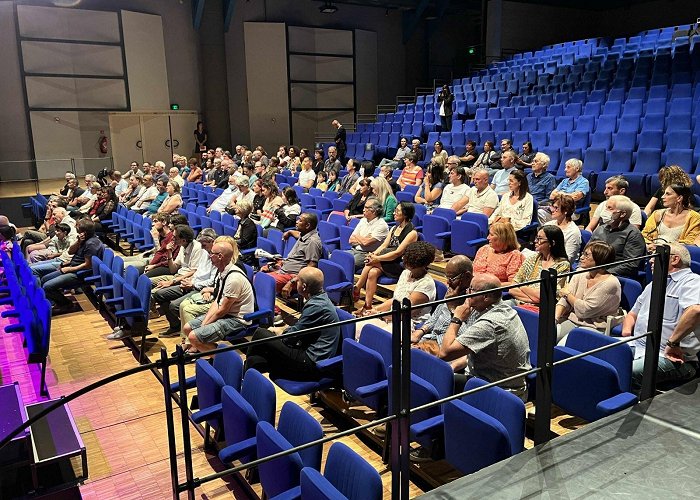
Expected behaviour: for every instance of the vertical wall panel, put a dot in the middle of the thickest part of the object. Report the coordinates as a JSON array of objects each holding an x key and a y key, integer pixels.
[
  {"x": 145, "y": 61},
  {"x": 266, "y": 49},
  {"x": 68, "y": 24},
  {"x": 368, "y": 72}
]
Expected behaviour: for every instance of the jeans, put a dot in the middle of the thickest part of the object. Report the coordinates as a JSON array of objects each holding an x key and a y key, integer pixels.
[
  {"x": 54, "y": 284},
  {"x": 668, "y": 371},
  {"x": 280, "y": 359},
  {"x": 166, "y": 297},
  {"x": 45, "y": 268}
]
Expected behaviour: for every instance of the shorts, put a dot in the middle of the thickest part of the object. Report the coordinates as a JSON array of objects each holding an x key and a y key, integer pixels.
[{"x": 218, "y": 330}]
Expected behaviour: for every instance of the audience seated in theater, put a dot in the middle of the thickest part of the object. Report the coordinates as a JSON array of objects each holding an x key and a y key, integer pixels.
[
  {"x": 574, "y": 184},
  {"x": 292, "y": 160},
  {"x": 165, "y": 247},
  {"x": 168, "y": 295},
  {"x": 550, "y": 252},
  {"x": 307, "y": 176},
  {"x": 195, "y": 173},
  {"x": 233, "y": 298},
  {"x": 468, "y": 159},
  {"x": 589, "y": 298},
  {"x": 615, "y": 185},
  {"x": 366, "y": 172},
  {"x": 387, "y": 259},
  {"x": 120, "y": 184},
  {"x": 412, "y": 174},
  {"x": 318, "y": 161},
  {"x": 356, "y": 206},
  {"x": 157, "y": 201},
  {"x": 625, "y": 238},
  {"x": 217, "y": 175},
  {"x": 439, "y": 150},
  {"x": 428, "y": 336},
  {"x": 174, "y": 175},
  {"x": 134, "y": 169},
  {"x": 416, "y": 149},
  {"x": 184, "y": 264},
  {"x": 148, "y": 194},
  {"x": 526, "y": 158},
  {"x": 490, "y": 334},
  {"x": 173, "y": 200},
  {"x": 306, "y": 252},
  {"x": 295, "y": 358},
  {"x": 500, "y": 181},
  {"x": 398, "y": 157},
  {"x": 91, "y": 195},
  {"x": 501, "y": 256},
  {"x": 55, "y": 213},
  {"x": 382, "y": 191},
  {"x": 273, "y": 200},
  {"x": 332, "y": 162},
  {"x": 321, "y": 181},
  {"x": 244, "y": 192},
  {"x": 415, "y": 284},
  {"x": 349, "y": 179},
  {"x": 67, "y": 186},
  {"x": 680, "y": 329},
  {"x": 56, "y": 246},
  {"x": 489, "y": 159},
  {"x": 246, "y": 233},
  {"x": 332, "y": 181},
  {"x": 676, "y": 222},
  {"x": 101, "y": 211},
  {"x": 135, "y": 188},
  {"x": 258, "y": 200},
  {"x": 369, "y": 233},
  {"x": 57, "y": 277},
  {"x": 159, "y": 172},
  {"x": 388, "y": 173},
  {"x": 430, "y": 190},
  {"x": 146, "y": 167},
  {"x": 562, "y": 210},
  {"x": 455, "y": 195},
  {"x": 668, "y": 176},
  {"x": 248, "y": 170},
  {"x": 541, "y": 182},
  {"x": 286, "y": 215},
  {"x": 78, "y": 196},
  {"x": 482, "y": 199},
  {"x": 516, "y": 205}
]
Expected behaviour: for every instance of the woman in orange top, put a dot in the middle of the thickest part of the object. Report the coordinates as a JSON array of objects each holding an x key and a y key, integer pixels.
[{"x": 501, "y": 256}]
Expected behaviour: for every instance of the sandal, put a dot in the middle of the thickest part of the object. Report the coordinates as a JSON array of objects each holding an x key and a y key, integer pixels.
[{"x": 356, "y": 295}]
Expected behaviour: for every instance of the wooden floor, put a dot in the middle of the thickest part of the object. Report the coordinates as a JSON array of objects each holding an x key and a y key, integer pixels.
[{"x": 123, "y": 424}]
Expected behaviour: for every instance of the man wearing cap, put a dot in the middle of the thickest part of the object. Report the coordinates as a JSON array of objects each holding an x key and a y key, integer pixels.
[
  {"x": 169, "y": 298},
  {"x": 220, "y": 204}
]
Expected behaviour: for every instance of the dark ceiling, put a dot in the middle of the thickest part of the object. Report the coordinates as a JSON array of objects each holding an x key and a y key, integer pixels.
[{"x": 457, "y": 5}]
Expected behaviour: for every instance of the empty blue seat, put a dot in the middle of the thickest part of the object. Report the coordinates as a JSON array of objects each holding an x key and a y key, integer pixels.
[
  {"x": 620, "y": 160},
  {"x": 579, "y": 139},
  {"x": 602, "y": 140},
  {"x": 625, "y": 140}
]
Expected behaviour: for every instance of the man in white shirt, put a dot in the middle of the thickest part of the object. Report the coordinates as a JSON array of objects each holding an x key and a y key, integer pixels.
[
  {"x": 148, "y": 195},
  {"x": 307, "y": 176},
  {"x": 223, "y": 200},
  {"x": 615, "y": 185},
  {"x": 185, "y": 263},
  {"x": 174, "y": 175},
  {"x": 369, "y": 233},
  {"x": 455, "y": 195},
  {"x": 482, "y": 199},
  {"x": 400, "y": 153}
]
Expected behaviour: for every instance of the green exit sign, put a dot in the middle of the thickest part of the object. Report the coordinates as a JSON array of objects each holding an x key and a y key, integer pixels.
[{"x": 175, "y": 107}]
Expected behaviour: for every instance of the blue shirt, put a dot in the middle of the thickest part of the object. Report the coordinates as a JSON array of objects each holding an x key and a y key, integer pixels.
[
  {"x": 541, "y": 186},
  {"x": 580, "y": 184},
  {"x": 682, "y": 291},
  {"x": 500, "y": 181},
  {"x": 323, "y": 344},
  {"x": 157, "y": 202}
]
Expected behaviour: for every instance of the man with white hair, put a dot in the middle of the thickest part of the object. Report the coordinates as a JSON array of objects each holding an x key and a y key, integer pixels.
[
  {"x": 541, "y": 182},
  {"x": 223, "y": 200},
  {"x": 575, "y": 184},
  {"x": 615, "y": 185},
  {"x": 680, "y": 329},
  {"x": 174, "y": 175},
  {"x": 624, "y": 237},
  {"x": 159, "y": 172}
]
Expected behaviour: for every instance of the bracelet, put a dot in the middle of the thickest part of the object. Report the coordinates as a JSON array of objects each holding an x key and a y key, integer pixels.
[
  {"x": 673, "y": 344},
  {"x": 456, "y": 321}
]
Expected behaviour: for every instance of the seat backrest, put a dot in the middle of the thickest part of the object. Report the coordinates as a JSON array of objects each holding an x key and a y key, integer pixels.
[
  {"x": 346, "y": 331},
  {"x": 209, "y": 384},
  {"x": 280, "y": 474},
  {"x": 620, "y": 356},
  {"x": 299, "y": 427},
  {"x": 377, "y": 339},
  {"x": 230, "y": 365},
  {"x": 631, "y": 289},
  {"x": 347, "y": 262},
  {"x": 260, "y": 393},
  {"x": 343, "y": 469},
  {"x": 433, "y": 370},
  {"x": 239, "y": 419},
  {"x": 531, "y": 322},
  {"x": 265, "y": 292},
  {"x": 363, "y": 366}
]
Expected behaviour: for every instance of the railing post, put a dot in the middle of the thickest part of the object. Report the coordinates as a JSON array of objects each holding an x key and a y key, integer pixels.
[
  {"x": 184, "y": 417},
  {"x": 656, "y": 315},
  {"x": 395, "y": 390},
  {"x": 405, "y": 420},
  {"x": 170, "y": 422},
  {"x": 547, "y": 334},
  {"x": 72, "y": 166}
]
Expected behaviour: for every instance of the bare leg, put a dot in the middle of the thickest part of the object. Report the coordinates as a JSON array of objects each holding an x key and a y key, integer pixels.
[
  {"x": 371, "y": 287},
  {"x": 361, "y": 282},
  {"x": 200, "y": 346}
]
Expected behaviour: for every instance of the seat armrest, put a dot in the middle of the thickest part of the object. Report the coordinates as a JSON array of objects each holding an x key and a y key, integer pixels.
[
  {"x": 373, "y": 389},
  {"x": 617, "y": 403},
  {"x": 210, "y": 413},
  {"x": 238, "y": 450}
]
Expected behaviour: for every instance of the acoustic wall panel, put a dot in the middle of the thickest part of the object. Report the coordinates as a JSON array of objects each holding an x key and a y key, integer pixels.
[
  {"x": 145, "y": 61},
  {"x": 325, "y": 68},
  {"x": 317, "y": 95},
  {"x": 56, "y": 92},
  {"x": 320, "y": 40},
  {"x": 68, "y": 24},
  {"x": 368, "y": 72},
  {"x": 72, "y": 58}
]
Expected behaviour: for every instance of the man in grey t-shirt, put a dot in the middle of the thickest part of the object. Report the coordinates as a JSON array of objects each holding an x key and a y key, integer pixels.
[{"x": 496, "y": 344}]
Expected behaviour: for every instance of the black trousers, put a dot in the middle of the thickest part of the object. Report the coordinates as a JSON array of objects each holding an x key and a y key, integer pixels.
[
  {"x": 279, "y": 359},
  {"x": 446, "y": 123}
]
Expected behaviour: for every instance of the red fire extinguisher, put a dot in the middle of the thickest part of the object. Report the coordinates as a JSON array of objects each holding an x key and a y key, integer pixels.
[{"x": 104, "y": 144}]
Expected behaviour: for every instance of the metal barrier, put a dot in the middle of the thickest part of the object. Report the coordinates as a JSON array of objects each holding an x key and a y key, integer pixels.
[{"x": 400, "y": 390}]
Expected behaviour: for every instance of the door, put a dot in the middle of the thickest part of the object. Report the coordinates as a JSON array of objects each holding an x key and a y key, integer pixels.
[
  {"x": 155, "y": 130},
  {"x": 126, "y": 141},
  {"x": 182, "y": 127}
]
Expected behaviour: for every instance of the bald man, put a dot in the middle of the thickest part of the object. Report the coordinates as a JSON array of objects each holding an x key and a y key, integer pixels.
[
  {"x": 233, "y": 299},
  {"x": 495, "y": 342},
  {"x": 295, "y": 358}
]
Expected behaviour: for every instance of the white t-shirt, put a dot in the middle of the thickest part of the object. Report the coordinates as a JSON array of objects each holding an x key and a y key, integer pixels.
[
  {"x": 478, "y": 201},
  {"x": 305, "y": 176},
  {"x": 604, "y": 214},
  {"x": 452, "y": 194},
  {"x": 188, "y": 258},
  {"x": 377, "y": 228},
  {"x": 572, "y": 239},
  {"x": 407, "y": 285},
  {"x": 239, "y": 288}
]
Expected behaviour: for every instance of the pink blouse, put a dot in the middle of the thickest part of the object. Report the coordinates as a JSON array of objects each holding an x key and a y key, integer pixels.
[{"x": 502, "y": 265}]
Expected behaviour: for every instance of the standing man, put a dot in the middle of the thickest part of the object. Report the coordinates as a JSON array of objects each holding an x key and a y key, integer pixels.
[
  {"x": 445, "y": 99},
  {"x": 340, "y": 140}
]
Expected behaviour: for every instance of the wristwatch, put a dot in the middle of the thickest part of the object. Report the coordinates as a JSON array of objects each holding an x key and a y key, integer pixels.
[
  {"x": 456, "y": 321},
  {"x": 673, "y": 344}
]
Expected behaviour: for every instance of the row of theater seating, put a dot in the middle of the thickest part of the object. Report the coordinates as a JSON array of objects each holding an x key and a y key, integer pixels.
[{"x": 22, "y": 290}]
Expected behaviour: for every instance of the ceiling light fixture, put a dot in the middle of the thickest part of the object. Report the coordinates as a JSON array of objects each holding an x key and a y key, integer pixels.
[{"x": 328, "y": 8}]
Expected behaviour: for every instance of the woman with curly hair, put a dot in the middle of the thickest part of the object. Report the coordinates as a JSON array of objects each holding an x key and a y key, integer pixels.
[
  {"x": 676, "y": 222},
  {"x": 273, "y": 201},
  {"x": 415, "y": 284},
  {"x": 672, "y": 174}
]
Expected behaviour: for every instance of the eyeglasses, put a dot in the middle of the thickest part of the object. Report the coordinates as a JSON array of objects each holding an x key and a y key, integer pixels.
[
  {"x": 218, "y": 254},
  {"x": 456, "y": 277},
  {"x": 540, "y": 240}
]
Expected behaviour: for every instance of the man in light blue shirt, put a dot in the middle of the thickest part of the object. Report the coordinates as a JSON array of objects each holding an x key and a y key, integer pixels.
[
  {"x": 682, "y": 299},
  {"x": 400, "y": 153},
  {"x": 500, "y": 178},
  {"x": 575, "y": 184}
]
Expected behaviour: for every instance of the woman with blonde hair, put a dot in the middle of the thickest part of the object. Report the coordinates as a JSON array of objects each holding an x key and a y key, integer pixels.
[
  {"x": 672, "y": 174},
  {"x": 501, "y": 256},
  {"x": 382, "y": 190},
  {"x": 174, "y": 199}
]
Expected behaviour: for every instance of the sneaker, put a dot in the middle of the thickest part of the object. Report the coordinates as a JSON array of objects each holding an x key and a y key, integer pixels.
[
  {"x": 117, "y": 329},
  {"x": 118, "y": 335},
  {"x": 279, "y": 320},
  {"x": 169, "y": 333},
  {"x": 379, "y": 430},
  {"x": 420, "y": 455}
]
